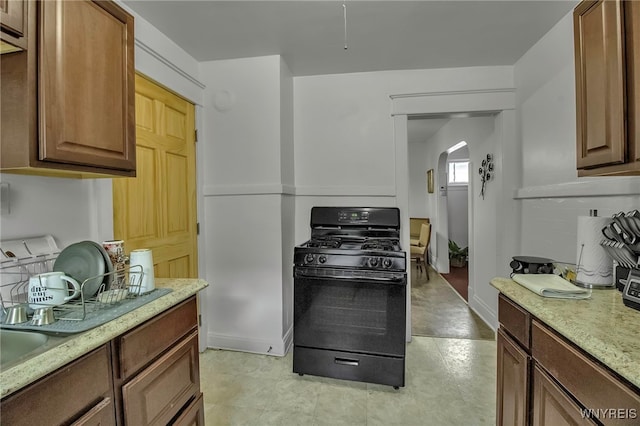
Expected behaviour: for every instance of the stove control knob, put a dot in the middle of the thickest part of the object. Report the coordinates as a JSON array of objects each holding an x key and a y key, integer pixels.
[
  {"x": 309, "y": 258},
  {"x": 373, "y": 262},
  {"x": 387, "y": 263},
  {"x": 322, "y": 258}
]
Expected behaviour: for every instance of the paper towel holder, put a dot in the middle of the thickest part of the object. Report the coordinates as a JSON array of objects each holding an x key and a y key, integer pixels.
[{"x": 594, "y": 276}]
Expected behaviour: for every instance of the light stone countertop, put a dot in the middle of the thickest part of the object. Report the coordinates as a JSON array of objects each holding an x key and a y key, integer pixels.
[
  {"x": 74, "y": 346},
  {"x": 602, "y": 326}
]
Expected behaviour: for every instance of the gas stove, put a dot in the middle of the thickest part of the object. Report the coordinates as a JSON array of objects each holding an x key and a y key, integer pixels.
[
  {"x": 350, "y": 296},
  {"x": 360, "y": 238}
]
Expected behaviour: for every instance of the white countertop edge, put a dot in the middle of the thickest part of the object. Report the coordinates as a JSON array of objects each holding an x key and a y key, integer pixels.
[{"x": 23, "y": 374}]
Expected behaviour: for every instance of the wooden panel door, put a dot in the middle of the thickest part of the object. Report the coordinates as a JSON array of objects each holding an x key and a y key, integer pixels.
[
  {"x": 600, "y": 84},
  {"x": 552, "y": 406},
  {"x": 157, "y": 209},
  {"x": 85, "y": 73},
  {"x": 512, "y": 405}
]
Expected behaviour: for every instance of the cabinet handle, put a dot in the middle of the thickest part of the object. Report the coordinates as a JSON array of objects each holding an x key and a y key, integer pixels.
[{"x": 345, "y": 361}]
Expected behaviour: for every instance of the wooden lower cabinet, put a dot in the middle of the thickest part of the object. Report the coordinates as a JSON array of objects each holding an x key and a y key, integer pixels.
[
  {"x": 193, "y": 415},
  {"x": 81, "y": 393},
  {"x": 548, "y": 381},
  {"x": 158, "y": 373},
  {"x": 147, "y": 376},
  {"x": 512, "y": 404},
  {"x": 552, "y": 405},
  {"x": 162, "y": 390}
]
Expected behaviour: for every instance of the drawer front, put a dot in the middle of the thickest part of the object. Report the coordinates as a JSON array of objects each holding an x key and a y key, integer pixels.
[
  {"x": 552, "y": 406},
  {"x": 65, "y": 396},
  {"x": 349, "y": 366},
  {"x": 591, "y": 384},
  {"x": 193, "y": 415},
  {"x": 159, "y": 392},
  {"x": 100, "y": 415},
  {"x": 143, "y": 344},
  {"x": 515, "y": 320}
]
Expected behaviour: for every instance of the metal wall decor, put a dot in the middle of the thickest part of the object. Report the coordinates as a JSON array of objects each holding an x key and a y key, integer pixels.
[{"x": 485, "y": 172}]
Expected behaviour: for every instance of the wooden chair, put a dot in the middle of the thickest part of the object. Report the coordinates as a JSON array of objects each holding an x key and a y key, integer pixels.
[
  {"x": 420, "y": 252},
  {"x": 415, "y": 223}
]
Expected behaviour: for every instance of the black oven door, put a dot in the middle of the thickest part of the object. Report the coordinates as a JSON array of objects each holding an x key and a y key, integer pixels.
[{"x": 350, "y": 312}]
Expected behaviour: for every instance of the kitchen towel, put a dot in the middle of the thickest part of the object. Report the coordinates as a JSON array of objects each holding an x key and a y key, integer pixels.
[
  {"x": 551, "y": 285},
  {"x": 594, "y": 264}
]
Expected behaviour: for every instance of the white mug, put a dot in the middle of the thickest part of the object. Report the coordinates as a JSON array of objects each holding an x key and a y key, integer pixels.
[
  {"x": 51, "y": 289},
  {"x": 146, "y": 283}
]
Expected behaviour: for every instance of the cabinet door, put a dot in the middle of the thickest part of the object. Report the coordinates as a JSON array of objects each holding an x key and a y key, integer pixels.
[
  {"x": 632, "y": 27},
  {"x": 81, "y": 391},
  {"x": 100, "y": 415},
  {"x": 512, "y": 408},
  {"x": 162, "y": 390},
  {"x": 193, "y": 415},
  {"x": 600, "y": 84},
  {"x": 86, "y": 78},
  {"x": 12, "y": 16},
  {"x": 552, "y": 406}
]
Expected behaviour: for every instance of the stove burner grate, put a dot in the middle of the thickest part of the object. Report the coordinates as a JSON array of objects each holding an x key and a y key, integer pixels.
[
  {"x": 386, "y": 245},
  {"x": 324, "y": 242}
]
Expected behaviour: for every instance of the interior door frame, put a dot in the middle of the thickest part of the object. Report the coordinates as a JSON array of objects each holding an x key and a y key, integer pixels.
[{"x": 498, "y": 100}]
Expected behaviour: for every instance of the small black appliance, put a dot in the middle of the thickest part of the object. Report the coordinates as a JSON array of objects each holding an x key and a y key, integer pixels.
[
  {"x": 531, "y": 265},
  {"x": 631, "y": 292}
]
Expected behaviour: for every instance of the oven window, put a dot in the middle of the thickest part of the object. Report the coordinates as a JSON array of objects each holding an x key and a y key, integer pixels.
[
  {"x": 350, "y": 315},
  {"x": 352, "y": 309}
]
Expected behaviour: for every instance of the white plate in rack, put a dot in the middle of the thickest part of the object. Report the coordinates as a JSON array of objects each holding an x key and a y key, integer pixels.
[{"x": 82, "y": 261}]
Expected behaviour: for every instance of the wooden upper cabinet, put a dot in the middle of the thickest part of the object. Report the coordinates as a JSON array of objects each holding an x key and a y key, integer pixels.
[
  {"x": 87, "y": 97},
  {"x": 632, "y": 26},
  {"x": 600, "y": 87},
  {"x": 12, "y": 25},
  {"x": 12, "y": 16},
  {"x": 68, "y": 101},
  {"x": 606, "y": 60}
]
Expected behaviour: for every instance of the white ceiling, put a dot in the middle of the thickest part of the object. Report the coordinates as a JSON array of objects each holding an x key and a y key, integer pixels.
[{"x": 381, "y": 35}]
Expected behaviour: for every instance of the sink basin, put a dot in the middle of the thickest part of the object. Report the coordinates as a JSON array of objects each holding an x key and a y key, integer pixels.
[{"x": 15, "y": 344}]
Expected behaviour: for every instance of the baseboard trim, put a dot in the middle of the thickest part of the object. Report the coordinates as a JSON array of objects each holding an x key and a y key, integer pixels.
[
  {"x": 257, "y": 346},
  {"x": 484, "y": 312}
]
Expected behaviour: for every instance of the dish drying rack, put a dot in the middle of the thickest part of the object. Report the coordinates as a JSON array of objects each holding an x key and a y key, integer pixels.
[{"x": 78, "y": 314}]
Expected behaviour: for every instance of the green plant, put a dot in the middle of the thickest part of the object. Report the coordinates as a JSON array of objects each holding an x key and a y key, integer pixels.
[{"x": 458, "y": 254}]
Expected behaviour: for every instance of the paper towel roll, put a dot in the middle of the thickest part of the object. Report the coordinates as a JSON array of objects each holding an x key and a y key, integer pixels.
[{"x": 594, "y": 265}]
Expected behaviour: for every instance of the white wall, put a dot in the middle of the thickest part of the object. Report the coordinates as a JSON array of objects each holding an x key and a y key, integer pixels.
[
  {"x": 553, "y": 195},
  {"x": 248, "y": 204},
  {"x": 344, "y": 134}
]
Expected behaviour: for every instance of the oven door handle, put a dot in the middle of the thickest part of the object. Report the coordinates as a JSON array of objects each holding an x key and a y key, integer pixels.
[
  {"x": 347, "y": 361},
  {"x": 399, "y": 279}
]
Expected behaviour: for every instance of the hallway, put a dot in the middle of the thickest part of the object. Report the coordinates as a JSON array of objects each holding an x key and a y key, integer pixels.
[{"x": 438, "y": 311}]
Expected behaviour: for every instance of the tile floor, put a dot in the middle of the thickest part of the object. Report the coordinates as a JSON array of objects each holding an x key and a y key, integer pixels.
[
  {"x": 437, "y": 310},
  {"x": 449, "y": 381}
]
